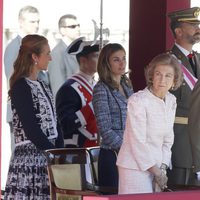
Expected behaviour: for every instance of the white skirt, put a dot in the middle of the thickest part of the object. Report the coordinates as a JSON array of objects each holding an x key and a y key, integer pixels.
[{"x": 134, "y": 181}]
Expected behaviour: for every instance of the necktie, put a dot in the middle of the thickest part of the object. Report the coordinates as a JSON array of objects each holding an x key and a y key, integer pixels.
[{"x": 191, "y": 60}]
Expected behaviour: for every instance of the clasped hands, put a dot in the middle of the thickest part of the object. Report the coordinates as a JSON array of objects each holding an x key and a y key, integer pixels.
[{"x": 160, "y": 176}]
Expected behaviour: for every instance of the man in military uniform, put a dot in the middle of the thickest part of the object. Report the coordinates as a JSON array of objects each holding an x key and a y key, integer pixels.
[
  {"x": 185, "y": 28},
  {"x": 74, "y": 98}
]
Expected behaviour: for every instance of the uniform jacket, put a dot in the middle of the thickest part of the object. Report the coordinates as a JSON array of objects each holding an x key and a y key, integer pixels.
[
  {"x": 61, "y": 67},
  {"x": 148, "y": 135},
  {"x": 75, "y": 112},
  {"x": 181, "y": 150},
  {"x": 110, "y": 108},
  {"x": 194, "y": 126}
]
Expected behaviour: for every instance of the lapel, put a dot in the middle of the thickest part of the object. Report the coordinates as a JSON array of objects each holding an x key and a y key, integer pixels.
[
  {"x": 178, "y": 53},
  {"x": 119, "y": 97}
]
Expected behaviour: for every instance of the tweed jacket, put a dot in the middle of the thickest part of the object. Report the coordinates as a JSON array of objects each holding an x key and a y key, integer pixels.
[
  {"x": 34, "y": 116},
  {"x": 110, "y": 108},
  {"x": 181, "y": 149},
  {"x": 148, "y": 135},
  {"x": 62, "y": 66}
]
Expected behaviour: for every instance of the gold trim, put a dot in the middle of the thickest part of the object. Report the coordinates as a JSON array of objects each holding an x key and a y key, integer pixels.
[
  {"x": 181, "y": 120},
  {"x": 188, "y": 19},
  {"x": 196, "y": 12}
]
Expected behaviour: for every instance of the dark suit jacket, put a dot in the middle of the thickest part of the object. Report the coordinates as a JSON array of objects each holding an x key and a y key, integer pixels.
[
  {"x": 181, "y": 149},
  {"x": 194, "y": 125}
]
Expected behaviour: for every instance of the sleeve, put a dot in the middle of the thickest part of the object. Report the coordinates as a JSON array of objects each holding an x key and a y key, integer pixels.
[
  {"x": 10, "y": 56},
  {"x": 169, "y": 138},
  {"x": 136, "y": 134},
  {"x": 68, "y": 104},
  {"x": 194, "y": 126},
  {"x": 60, "y": 139},
  {"x": 103, "y": 116},
  {"x": 22, "y": 100},
  {"x": 57, "y": 74}
]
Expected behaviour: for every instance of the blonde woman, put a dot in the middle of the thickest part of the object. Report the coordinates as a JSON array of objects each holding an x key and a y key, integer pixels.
[{"x": 146, "y": 150}]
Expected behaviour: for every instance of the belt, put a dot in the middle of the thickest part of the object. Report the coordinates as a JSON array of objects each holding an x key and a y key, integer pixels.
[{"x": 181, "y": 120}]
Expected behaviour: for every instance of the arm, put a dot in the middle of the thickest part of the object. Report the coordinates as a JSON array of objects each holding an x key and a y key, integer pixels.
[
  {"x": 60, "y": 139},
  {"x": 10, "y": 56},
  {"x": 136, "y": 134},
  {"x": 22, "y": 100},
  {"x": 194, "y": 126},
  {"x": 56, "y": 72},
  {"x": 103, "y": 116},
  {"x": 169, "y": 138}
]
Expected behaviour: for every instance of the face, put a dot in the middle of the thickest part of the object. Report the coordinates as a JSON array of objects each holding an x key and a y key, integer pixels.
[
  {"x": 71, "y": 29},
  {"x": 91, "y": 62},
  {"x": 163, "y": 79},
  {"x": 117, "y": 63},
  {"x": 43, "y": 59},
  {"x": 30, "y": 23},
  {"x": 190, "y": 33}
]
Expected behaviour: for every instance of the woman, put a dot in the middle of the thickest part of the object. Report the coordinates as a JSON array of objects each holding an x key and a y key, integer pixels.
[
  {"x": 34, "y": 122},
  {"x": 148, "y": 136},
  {"x": 110, "y": 96}
]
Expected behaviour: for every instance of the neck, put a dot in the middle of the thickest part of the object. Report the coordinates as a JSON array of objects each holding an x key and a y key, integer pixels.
[
  {"x": 33, "y": 76},
  {"x": 87, "y": 72},
  {"x": 185, "y": 45},
  {"x": 117, "y": 79},
  {"x": 160, "y": 95}
]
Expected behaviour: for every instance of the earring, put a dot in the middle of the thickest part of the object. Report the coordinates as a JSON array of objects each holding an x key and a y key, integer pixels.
[{"x": 35, "y": 63}]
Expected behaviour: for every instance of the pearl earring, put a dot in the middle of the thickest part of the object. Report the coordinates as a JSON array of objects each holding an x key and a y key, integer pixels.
[{"x": 35, "y": 63}]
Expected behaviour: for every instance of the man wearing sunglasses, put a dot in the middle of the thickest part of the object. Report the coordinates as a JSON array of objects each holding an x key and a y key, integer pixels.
[{"x": 63, "y": 65}]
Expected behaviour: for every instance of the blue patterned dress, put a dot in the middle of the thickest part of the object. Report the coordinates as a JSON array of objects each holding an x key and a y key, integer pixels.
[{"x": 35, "y": 130}]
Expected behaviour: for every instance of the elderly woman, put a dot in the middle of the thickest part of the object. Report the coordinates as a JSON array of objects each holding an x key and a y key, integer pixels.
[
  {"x": 110, "y": 96},
  {"x": 148, "y": 137}
]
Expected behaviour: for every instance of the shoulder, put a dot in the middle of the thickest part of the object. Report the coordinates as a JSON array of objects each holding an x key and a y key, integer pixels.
[
  {"x": 140, "y": 95},
  {"x": 100, "y": 86},
  {"x": 20, "y": 88},
  {"x": 13, "y": 44},
  {"x": 20, "y": 83},
  {"x": 171, "y": 97},
  {"x": 60, "y": 47},
  {"x": 66, "y": 87}
]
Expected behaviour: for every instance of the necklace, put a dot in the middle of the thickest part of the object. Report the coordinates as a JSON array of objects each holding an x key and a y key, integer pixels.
[{"x": 163, "y": 98}]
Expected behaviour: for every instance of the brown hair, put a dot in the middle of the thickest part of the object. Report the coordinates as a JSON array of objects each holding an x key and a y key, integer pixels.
[
  {"x": 164, "y": 59},
  {"x": 31, "y": 44},
  {"x": 103, "y": 66}
]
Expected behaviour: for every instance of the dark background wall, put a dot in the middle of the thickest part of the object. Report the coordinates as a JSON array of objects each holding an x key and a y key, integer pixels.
[{"x": 149, "y": 33}]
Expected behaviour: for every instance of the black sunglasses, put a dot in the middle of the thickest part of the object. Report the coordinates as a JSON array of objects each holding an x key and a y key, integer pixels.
[{"x": 72, "y": 26}]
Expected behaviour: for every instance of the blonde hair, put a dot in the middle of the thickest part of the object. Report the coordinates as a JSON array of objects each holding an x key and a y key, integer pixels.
[{"x": 164, "y": 59}]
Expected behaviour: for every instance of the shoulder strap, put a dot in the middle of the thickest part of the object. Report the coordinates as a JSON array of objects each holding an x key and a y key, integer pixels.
[
  {"x": 81, "y": 80},
  {"x": 188, "y": 76}
]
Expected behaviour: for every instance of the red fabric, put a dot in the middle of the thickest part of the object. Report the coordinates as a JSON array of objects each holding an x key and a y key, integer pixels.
[
  {"x": 189, "y": 195},
  {"x": 190, "y": 55}
]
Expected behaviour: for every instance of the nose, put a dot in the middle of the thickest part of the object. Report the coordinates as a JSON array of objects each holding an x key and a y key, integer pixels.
[{"x": 162, "y": 78}]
